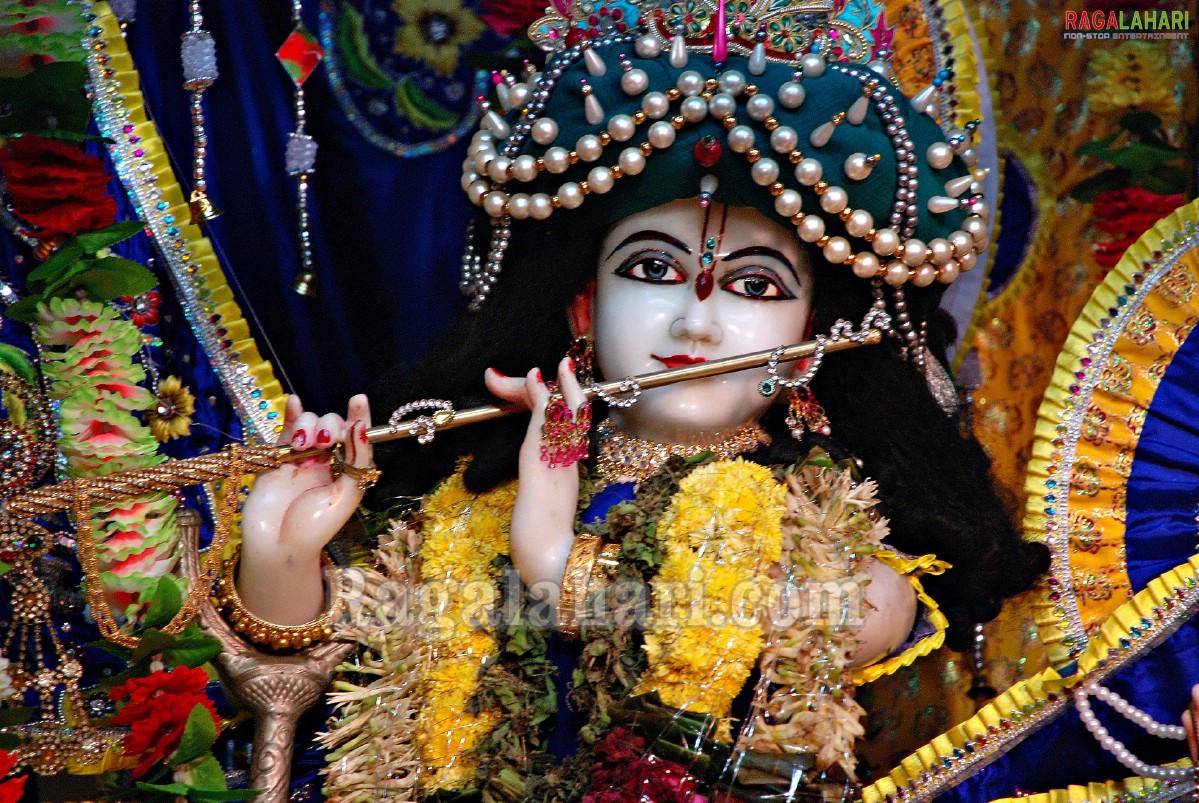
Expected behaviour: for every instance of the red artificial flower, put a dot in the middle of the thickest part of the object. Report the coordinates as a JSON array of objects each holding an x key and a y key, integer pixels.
[
  {"x": 157, "y": 713},
  {"x": 509, "y": 17},
  {"x": 56, "y": 187},
  {"x": 13, "y": 789},
  {"x": 143, "y": 309},
  {"x": 1124, "y": 215},
  {"x": 625, "y": 773}
]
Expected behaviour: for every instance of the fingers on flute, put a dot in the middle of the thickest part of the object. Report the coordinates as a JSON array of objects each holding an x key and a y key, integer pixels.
[
  {"x": 293, "y": 410},
  {"x": 330, "y": 429},
  {"x": 569, "y": 385},
  {"x": 303, "y": 435},
  {"x": 359, "y": 451},
  {"x": 509, "y": 388}
]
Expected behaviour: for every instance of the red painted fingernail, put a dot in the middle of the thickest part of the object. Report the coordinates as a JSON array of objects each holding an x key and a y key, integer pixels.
[
  {"x": 299, "y": 439},
  {"x": 570, "y": 363},
  {"x": 539, "y": 379},
  {"x": 323, "y": 437},
  {"x": 362, "y": 433}
]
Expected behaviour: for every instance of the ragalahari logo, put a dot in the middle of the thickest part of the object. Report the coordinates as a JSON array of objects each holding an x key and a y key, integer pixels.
[{"x": 1127, "y": 24}]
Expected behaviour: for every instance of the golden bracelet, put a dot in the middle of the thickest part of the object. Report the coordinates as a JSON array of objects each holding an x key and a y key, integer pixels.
[
  {"x": 576, "y": 581},
  {"x": 264, "y": 633},
  {"x": 590, "y": 565}
]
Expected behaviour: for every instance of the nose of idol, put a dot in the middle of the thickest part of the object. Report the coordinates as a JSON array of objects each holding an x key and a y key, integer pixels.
[{"x": 684, "y": 283}]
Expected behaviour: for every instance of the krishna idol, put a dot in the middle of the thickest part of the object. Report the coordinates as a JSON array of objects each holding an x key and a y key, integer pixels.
[{"x": 668, "y": 593}]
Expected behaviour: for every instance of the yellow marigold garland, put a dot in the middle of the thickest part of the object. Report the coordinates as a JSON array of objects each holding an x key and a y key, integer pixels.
[
  {"x": 720, "y": 537},
  {"x": 464, "y": 534}
]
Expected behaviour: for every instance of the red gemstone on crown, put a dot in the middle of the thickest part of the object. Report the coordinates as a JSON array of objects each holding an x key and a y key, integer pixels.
[{"x": 708, "y": 151}]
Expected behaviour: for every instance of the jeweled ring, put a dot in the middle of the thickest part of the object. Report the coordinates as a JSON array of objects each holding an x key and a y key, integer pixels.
[
  {"x": 564, "y": 435},
  {"x": 365, "y": 476}
]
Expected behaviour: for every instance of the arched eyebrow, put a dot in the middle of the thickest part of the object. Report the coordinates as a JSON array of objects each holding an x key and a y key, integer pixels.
[
  {"x": 764, "y": 251},
  {"x": 650, "y": 234}
]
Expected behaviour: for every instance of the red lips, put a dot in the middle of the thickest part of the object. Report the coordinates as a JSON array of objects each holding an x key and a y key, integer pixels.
[{"x": 678, "y": 360}]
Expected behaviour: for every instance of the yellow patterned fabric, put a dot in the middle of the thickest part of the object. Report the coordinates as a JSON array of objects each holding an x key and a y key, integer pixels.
[
  {"x": 1085, "y": 491},
  {"x": 952, "y": 755}
]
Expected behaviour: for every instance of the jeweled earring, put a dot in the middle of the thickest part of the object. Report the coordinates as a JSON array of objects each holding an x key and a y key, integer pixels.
[
  {"x": 804, "y": 414},
  {"x": 582, "y": 354}
]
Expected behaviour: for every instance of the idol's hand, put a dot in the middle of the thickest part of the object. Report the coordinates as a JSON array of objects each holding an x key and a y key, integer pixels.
[
  {"x": 546, "y": 501},
  {"x": 296, "y": 509}
]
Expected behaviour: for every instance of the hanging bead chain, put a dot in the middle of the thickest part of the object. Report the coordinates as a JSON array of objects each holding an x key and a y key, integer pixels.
[
  {"x": 301, "y": 153},
  {"x": 198, "y": 53},
  {"x": 1117, "y": 748}
]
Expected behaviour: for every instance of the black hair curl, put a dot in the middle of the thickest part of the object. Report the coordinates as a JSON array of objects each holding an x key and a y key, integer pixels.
[{"x": 934, "y": 482}]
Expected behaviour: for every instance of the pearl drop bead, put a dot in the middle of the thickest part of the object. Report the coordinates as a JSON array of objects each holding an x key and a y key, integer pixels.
[
  {"x": 655, "y": 105},
  {"x": 836, "y": 250},
  {"x": 970, "y": 157},
  {"x": 784, "y": 139},
  {"x": 885, "y": 242},
  {"x": 812, "y": 65},
  {"x": 690, "y": 83},
  {"x": 524, "y": 168},
  {"x": 812, "y": 229},
  {"x": 661, "y": 134},
  {"x": 518, "y": 206},
  {"x": 631, "y": 161},
  {"x": 498, "y": 169},
  {"x": 475, "y": 192},
  {"x": 570, "y": 195},
  {"x": 741, "y": 138},
  {"x": 545, "y": 131},
  {"x": 764, "y": 172},
  {"x": 897, "y": 273},
  {"x": 694, "y": 109},
  {"x": 948, "y": 272},
  {"x": 834, "y": 200},
  {"x": 469, "y": 178},
  {"x": 967, "y": 261},
  {"x": 788, "y": 203},
  {"x": 634, "y": 82},
  {"x": 588, "y": 147},
  {"x": 808, "y": 171},
  {"x": 722, "y": 106},
  {"x": 859, "y": 223},
  {"x": 759, "y": 107},
  {"x": 856, "y": 166},
  {"x": 648, "y": 47},
  {"x": 939, "y": 251},
  {"x": 600, "y": 180},
  {"x": 791, "y": 95},
  {"x": 914, "y": 252},
  {"x": 556, "y": 160},
  {"x": 621, "y": 128},
  {"x": 980, "y": 208},
  {"x": 493, "y": 203},
  {"x": 939, "y": 155},
  {"x": 976, "y": 227},
  {"x": 924, "y": 275},
  {"x": 732, "y": 82},
  {"x": 482, "y": 137},
  {"x": 540, "y": 206},
  {"x": 962, "y": 242},
  {"x": 865, "y": 265}
]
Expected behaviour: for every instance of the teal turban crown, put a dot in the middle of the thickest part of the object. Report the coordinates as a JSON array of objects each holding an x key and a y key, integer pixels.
[{"x": 627, "y": 122}]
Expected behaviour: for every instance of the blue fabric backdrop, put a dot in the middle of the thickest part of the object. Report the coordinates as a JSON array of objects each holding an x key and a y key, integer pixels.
[{"x": 387, "y": 232}]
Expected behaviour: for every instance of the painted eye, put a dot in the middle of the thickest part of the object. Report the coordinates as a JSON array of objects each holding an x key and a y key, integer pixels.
[
  {"x": 652, "y": 268},
  {"x": 757, "y": 285}
]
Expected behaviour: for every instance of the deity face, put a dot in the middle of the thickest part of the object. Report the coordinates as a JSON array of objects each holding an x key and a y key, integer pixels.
[{"x": 680, "y": 284}]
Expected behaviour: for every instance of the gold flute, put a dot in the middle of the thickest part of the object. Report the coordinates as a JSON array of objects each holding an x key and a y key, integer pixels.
[{"x": 253, "y": 459}]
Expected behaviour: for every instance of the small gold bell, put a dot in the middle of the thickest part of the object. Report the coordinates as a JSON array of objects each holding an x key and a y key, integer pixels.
[
  {"x": 305, "y": 284},
  {"x": 202, "y": 208}
]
